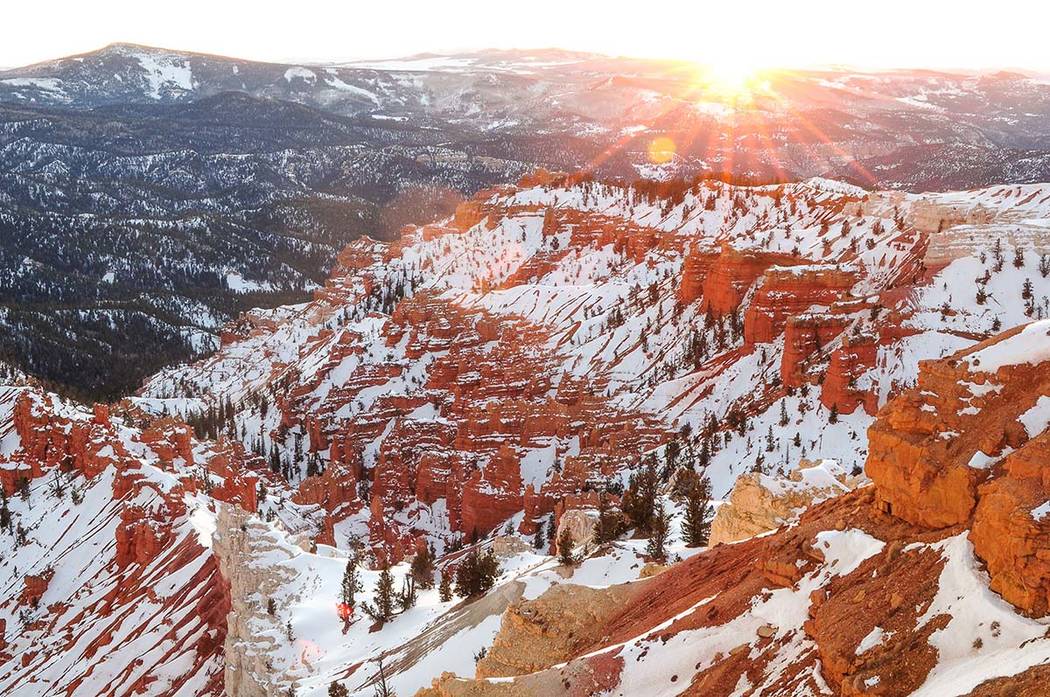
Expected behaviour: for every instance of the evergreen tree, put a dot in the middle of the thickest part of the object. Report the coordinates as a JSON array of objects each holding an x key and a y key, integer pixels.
[
  {"x": 658, "y": 529},
  {"x": 445, "y": 589},
  {"x": 407, "y": 598},
  {"x": 477, "y": 573},
  {"x": 609, "y": 523},
  {"x": 696, "y": 527},
  {"x": 540, "y": 540},
  {"x": 337, "y": 690},
  {"x": 383, "y": 609},
  {"x": 351, "y": 582},
  {"x": 640, "y": 498},
  {"x": 565, "y": 553},
  {"x": 422, "y": 570}
]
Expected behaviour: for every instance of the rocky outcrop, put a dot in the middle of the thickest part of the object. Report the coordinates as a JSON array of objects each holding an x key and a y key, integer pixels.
[
  {"x": 759, "y": 503},
  {"x": 969, "y": 445},
  {"x": 695, "y": 268},
  {"x": 931, "y": 448},
  {"x": 581, "y": 524},
  {"x": 851, "y": 359},
  {"x": 787, "y": 292},
  {"x": 34, "y": 586},
  {"x": 728, "y": 278},
  {"x": 251, "y": 635},
  {"x": 1011, "y": 527},
  {"x": 535, "y": 634},
  {"x": 805, "y": 336}
]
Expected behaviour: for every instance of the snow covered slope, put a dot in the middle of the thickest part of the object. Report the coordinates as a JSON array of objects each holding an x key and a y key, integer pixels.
[
  {"x": 538, "y": 343},
  {"x": 472, "y": 382}
]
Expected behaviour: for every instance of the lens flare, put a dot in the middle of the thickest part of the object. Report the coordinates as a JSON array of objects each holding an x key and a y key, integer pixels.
[{"x": 661, "y": 150}]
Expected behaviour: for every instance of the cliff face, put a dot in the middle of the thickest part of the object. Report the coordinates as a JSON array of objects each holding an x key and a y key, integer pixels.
[
  {"x": 250, "y": 662},
  {"x": 968, "y": 446},
  {"x": 111, "y": 584},
  {"x": 876, "y": 591}
]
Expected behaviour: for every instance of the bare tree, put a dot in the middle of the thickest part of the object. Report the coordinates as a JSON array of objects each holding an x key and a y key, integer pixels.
[{"x": 382, "y": 689}]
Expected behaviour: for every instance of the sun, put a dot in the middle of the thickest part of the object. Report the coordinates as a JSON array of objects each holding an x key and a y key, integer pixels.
[{"x": 732, "y": 82}]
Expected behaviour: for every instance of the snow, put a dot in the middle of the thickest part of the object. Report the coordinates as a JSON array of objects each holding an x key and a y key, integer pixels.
[
  {"x": 875, "y": 637},
  {"x": 1037, "y": 419},
  {"x": 48, "y": 84},
  {"x": 297, "y": 73},
  {"x": 785, "y": 609},
  {"x": 165, "y": 72},
  {"x": 984, "y": 637},
  {"x": 1031, "y": 346},
  {"x": 203, "y": 520},
  {"x": 239, "y": 284},
  {"x": 1040, "y": 512}
]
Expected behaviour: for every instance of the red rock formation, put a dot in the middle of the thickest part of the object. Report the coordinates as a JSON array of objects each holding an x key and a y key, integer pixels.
[
  {"x": 140, "y": 536},
  {"x": 733, "y": 273},
  {"x": 923, "y": 443},
  {"x": 34, "y": 586},
  {"x": 1008, "y": 536},
  {"x": 851, "y": 359},
  {"x": 787, "y": 292},
  {"x": 695, "y": 268},
  {"x": 805, "y": 336},
  {"x": 933, "y": 454},
  {"x": 169, "y": 438},
  {"x": 492, "y": 494}
]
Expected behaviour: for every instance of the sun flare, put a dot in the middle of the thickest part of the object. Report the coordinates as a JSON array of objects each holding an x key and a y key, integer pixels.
[{"x": 733, "y": 82}]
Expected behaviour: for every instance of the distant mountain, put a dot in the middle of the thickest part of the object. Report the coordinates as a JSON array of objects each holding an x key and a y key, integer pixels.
[{"x": 148, "y": 195}]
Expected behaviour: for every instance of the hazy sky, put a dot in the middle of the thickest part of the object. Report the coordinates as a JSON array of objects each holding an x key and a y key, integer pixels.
[{"x": 876, "y": 33}]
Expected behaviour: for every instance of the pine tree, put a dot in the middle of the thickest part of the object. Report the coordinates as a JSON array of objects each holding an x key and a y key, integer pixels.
[
  {"x": 445, "y": 589},
  {"x": 540, "y": 540},
  {"x": 351, "y": 582},
  {"x": 337, "y": 690},
  {"x": 565, "y": 543},
  {"x": 407, "y": 597},
  {"x": 422, "y": 570},
  {"x": 640, "y": 498},
  {"x": 476, "y": 574},
  {"x": 609, "y": 522},
  {"x": 696, "y": 527},
  {"x": 383, "y": 609},
  {"x": 658, "y": 529}
]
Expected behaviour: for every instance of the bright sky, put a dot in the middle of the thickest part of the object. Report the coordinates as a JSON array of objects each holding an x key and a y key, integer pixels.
[{"x": 874, "y": 33}]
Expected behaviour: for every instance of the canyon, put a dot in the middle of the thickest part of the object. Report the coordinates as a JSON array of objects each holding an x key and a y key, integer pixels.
[{"x": 868, "y": 391}]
